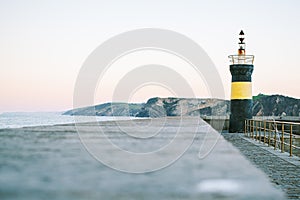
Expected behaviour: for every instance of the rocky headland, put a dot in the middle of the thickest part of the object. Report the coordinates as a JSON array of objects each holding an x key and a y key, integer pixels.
[{"x": 263, "y": 105}]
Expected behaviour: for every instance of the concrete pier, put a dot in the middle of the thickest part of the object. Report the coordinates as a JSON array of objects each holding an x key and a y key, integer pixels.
[
  {"x": 50, "y": 163},
  {"x": 283, "y": 171}
]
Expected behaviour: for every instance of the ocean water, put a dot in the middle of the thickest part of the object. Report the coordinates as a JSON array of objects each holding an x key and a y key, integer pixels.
[{"x": 28, "y": 119}]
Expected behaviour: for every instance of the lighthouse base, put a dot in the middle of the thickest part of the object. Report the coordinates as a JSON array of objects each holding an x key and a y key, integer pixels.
[{"x": 241, "y": 110}]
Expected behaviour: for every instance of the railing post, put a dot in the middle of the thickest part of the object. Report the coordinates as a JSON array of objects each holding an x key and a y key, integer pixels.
[
  {"x": 282, "y": 138},
  {"x": 264, "y": 132},
  {"x": 269, "y": 137},
  {"x": 245, "y": 126},
  {"x": 259, "y": 131},
  {"x": 275, "y": 133},
  {"x": 291, "y": 140},
  {"x": 248, "y": 128},
  {"x": 256, "y": 135},
  {"x": 252, "y": 129},
  {"x": 253, "y": 136}
]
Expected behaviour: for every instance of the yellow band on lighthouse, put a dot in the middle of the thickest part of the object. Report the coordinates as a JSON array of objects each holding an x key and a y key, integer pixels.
[{"x": 241, "y": 90}]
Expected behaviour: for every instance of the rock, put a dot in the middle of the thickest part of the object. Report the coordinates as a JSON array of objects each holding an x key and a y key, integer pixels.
[
  {"x": 275, "y": 105},
  {"x": 108, "y": 109},
  {"x": 263, "y": 105}
]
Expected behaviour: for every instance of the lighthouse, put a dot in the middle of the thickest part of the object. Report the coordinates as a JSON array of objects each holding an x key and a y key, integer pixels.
[{"x": 241, "y": 69}]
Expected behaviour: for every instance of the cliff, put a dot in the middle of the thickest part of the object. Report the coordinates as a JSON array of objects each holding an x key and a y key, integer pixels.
[
  {"x": 108, "y": 109},
  {"x": 275, "y": 105},
  {"x": 157, "y": 107},
  {"x": 263, "y": 105}
]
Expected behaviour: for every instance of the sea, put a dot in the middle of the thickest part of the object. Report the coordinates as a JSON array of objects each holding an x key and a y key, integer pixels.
[{"x": 29, "y": 119}]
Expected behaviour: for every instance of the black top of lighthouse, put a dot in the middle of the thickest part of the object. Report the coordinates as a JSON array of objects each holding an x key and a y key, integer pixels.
[
  {"x": 241, "y": 57},
  {"x": 242, "y": 37}
]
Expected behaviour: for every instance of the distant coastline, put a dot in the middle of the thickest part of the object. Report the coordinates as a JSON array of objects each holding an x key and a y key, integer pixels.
[{"x": 263, "y": 105}]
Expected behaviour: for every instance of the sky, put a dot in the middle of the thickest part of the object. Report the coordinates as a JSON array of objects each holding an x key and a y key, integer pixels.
[{"x": 43, "y": 44}]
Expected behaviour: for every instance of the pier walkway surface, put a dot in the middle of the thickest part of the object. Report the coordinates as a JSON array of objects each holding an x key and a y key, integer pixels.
[
  {"x": 50, "y": 162},
  {"x": 284, "y": 171}
]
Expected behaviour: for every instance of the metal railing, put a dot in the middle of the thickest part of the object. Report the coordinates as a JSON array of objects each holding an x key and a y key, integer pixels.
[
  {"x": 241, "y": 59},
  {"x": 274, "y": 133}
]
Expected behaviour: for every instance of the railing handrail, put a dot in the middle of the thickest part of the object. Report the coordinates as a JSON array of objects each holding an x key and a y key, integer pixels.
[
  {"x": 267, "y": 130},
  {"x": 278, "y": 122}
]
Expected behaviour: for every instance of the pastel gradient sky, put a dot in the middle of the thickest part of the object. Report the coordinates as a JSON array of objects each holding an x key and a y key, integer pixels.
[{"x": 44, "y": 43}]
